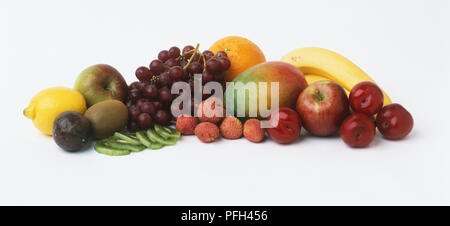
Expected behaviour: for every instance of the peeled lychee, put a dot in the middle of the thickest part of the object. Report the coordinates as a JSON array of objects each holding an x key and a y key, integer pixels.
[
  {"x": 208, "y": 109},
  {"x": 231, "y": 128},
  {"x": 186, "y": 124},
  {"x": 207, "y": 132},
  {"x": 253, "y": 131}
]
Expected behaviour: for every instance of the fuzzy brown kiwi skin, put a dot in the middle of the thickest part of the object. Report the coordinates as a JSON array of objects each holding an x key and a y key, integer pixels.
[
  {"x": 107, "y": 117},
  {"x": 71, "y": 131}
]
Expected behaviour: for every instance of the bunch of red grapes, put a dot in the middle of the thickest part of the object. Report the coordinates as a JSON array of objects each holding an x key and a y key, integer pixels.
[{"x": 150, "y": 98}]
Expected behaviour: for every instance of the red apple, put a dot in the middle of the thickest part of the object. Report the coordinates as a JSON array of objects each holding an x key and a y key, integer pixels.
[
  {"x": 323, "y": 106},
  {"x": 367, "y": 98},
  {"x": 394, "y": 122},
  {"x": 288, "y": 127},
  {"x": 357, "y": 130},
  {"x": 101, "y": 82}
]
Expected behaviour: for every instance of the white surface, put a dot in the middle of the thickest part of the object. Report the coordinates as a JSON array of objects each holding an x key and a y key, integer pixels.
[{"x": 403, "y": 45}]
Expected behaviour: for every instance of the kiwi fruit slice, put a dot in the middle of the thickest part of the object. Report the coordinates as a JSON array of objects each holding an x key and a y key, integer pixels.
[
  {"x": 126, "y": 138},
  {"x": 123, "y": 146},
  {"x": 153, "y": 135},
  {"x": 143, "y": 139},
  {"x": 167, "y": 132},
  {"x": 156, "y": 146},
  {"x": 102, "y": 148}
]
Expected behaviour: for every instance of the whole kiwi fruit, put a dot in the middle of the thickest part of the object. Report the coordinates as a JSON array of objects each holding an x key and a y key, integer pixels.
[{"x": 107, "y": 117}]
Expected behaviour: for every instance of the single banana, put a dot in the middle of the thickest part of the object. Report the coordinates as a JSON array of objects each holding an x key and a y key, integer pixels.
[{"x": 318, "y": 62}]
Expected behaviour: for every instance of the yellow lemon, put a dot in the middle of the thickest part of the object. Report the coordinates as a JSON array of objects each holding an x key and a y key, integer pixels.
[{"x": 49, "y": 103}]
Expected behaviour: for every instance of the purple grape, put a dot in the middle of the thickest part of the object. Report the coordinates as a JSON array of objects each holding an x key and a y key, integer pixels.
[
  {"x": 134, "y": 112},
  {"x": 221, "y": 54},
  {"x": 141, "y": 85},
  {"x": 195, "y": 68},
  {"x": 135, "y": 94},
  {"x": 163, "y": 55},
  {"x": 187, "y": 49},
  {"x": 165, "y": 79},
  {"x": 224, "y": 63},
  {"x": 140, "y": 102},
  {"x": 161, "y": 117},
  {"x": 174, "y": 52},
  {"x": 172, "y": 62},
  {"x": 143, "y": 74},
  {"x": 133, "y": 85},
  {"x": 207, "y": 77},
  {"x": 176, "y": 73},
  {"x": 144, "y": 120},
  {"x": 164, "y": 95},
  {"x": 158, "y": 105},
  {"x": 208, "y": 54},
  {"x": 148, "y": 107},
  {"x": 213, "y": 65},
  {"x": 157, "y": 67},
  {"x": 151, "y": 92}
]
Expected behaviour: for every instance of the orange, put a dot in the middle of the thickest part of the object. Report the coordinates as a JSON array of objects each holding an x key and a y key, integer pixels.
[{"x": 242, "y": 53}]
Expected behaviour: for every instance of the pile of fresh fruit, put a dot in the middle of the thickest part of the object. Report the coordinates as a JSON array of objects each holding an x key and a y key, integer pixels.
[{"x": 317, "y": 89}]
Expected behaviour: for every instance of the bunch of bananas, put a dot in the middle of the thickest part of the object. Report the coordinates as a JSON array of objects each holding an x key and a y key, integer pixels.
[{"x": 322, "y": 64}]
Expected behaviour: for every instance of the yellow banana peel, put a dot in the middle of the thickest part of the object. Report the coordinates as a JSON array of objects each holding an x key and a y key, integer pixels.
[{"x": 318, "y": 63}]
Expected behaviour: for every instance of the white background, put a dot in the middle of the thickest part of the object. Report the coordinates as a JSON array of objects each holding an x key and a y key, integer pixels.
[{"x": 403, "y": 45}]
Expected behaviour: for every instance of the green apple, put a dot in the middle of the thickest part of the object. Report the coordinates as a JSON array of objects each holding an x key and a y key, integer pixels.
[{"x": 101, "y": 82}]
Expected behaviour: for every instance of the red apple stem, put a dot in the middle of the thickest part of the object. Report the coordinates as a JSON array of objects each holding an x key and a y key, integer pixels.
[{"x": 318, "y": 96}]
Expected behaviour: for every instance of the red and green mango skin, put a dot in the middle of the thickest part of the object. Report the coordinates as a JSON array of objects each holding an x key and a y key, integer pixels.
[{"x": 291, "y": 83}]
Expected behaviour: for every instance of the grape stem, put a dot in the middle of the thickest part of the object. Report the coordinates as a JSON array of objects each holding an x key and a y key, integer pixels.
[
  {"x": 153, "y": 79},
  {"x": 192, "y": 57},
  {"x": 185, "y": 53},
  {"x": 204, "y": 61}
]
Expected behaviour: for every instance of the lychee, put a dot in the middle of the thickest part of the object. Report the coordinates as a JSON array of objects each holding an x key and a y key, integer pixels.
[
  {"x": 207, "y": 132},
  {"x": 253, "y": 131},
  {"x": 211, "y": 110},
  {"x": 186, "y": 124},
  {"x": 231, "y": 128}
]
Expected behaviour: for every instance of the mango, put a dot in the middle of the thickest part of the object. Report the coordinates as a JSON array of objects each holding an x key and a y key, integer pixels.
[{"x": 291, "y": 82}]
